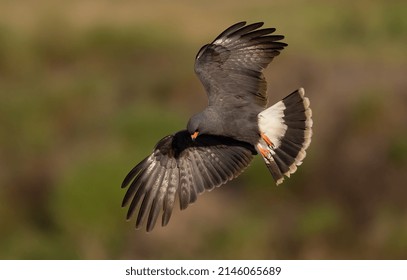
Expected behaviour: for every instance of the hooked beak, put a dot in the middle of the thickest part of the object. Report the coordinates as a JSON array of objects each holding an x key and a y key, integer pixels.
[{"x": 193, "y": 136}]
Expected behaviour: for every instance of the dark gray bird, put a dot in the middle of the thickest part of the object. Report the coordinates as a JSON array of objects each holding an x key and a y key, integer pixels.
[{"x": 220, "y": 141}]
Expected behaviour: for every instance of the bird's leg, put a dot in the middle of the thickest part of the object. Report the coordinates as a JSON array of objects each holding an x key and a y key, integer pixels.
[
  {"x": 267, "y": 140},
  {"x": 264, "y": 152}
]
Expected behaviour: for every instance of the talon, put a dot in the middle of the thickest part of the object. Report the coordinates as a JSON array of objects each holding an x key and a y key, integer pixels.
[
  {"x": 264, "y": 152},
  {"x": 267, "y": 140}
]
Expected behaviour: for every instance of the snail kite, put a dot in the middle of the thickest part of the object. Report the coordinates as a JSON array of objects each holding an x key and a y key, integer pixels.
[{"x": 219, "y": 142}]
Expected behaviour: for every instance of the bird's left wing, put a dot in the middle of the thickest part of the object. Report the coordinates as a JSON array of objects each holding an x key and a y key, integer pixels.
[{"x": 181, "y": 167}]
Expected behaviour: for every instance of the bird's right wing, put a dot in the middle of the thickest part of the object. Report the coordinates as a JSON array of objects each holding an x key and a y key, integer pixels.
[
  {"x": 230, "y": 68},
  {"x": 181, "y": 167}
]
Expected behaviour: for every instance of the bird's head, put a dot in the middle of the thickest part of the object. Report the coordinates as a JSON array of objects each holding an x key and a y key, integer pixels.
[
  {"x": 205, "y": 122},
  {"x": 195, "y": 125}
]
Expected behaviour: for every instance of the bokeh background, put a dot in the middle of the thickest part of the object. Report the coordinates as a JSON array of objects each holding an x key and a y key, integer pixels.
[{"x": 88, "y": 87}]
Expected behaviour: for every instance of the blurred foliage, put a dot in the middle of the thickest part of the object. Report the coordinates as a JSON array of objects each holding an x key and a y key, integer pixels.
[{"x": 88, "y": 87}]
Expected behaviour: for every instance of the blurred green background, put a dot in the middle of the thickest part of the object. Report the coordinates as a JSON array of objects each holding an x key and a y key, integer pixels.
[{"x": 88, "y": 87}]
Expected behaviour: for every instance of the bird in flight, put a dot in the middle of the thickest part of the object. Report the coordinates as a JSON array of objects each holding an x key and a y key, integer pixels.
[{"x": 220, "y": 142}]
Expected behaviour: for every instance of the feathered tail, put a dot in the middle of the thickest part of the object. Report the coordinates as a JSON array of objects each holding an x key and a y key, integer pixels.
[{"x": 286, "y": 130}]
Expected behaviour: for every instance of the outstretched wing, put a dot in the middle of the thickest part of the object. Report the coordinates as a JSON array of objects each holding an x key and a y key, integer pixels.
[
  {"x": 231, "y": 66},
  {"x": 180, "y": 166}
]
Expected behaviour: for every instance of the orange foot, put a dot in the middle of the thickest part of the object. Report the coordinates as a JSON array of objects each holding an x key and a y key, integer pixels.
[
  {"x": 264, "y": 152},
  {"x": 267, "y": 140}
]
